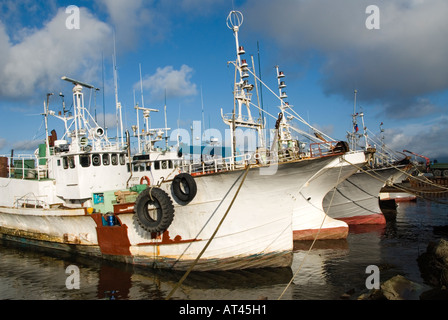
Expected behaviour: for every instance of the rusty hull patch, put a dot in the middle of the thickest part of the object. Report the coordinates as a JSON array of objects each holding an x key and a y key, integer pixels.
[
  {"x": 165, "y": 238},
  {"x": 112, "y": 240},
  {"x": 30, "y": 235},
  {"x": 124, "y": 208}
]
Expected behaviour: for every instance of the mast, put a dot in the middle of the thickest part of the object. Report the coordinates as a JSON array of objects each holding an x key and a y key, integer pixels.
[
  {"x": 143, "y": 104},
  {"x": 47, "y": 143},
  {"x": 261, "y": 137},
  {"x": 354, "y": 125},
  {"x": 383, "y": 146},
  {"x": 104, "y": 99},
  {"x": 146, "y": 117},
  {"x": 364, "y": 130},
  {"x": 242, "y": 88},
  {"x": 138, "y": 129},
  {"x": 83, "y": 130},
  {"x": 117, "y": 104},
  {"x": 261, "y": 86},
  {"x": 166, "y": 124},
  {"x": 284, "y": 132}
]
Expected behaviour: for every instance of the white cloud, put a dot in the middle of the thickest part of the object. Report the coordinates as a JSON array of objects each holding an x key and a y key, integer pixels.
[
  {"x": 425, "y": 138},
  {"x": 200, "y": 7},
  {"x": 40, "y": 59},
  {"x": 111, "y": 120},
  {"x": 177, "y": 83},
  {"x": 131, "y": 19},
  {"x": 27, "y": 145}
]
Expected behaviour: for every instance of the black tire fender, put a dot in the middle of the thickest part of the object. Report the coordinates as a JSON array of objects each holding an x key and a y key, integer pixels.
[
  {"x": 189, "y": 190},
  {"x": 161, "y": 206}
]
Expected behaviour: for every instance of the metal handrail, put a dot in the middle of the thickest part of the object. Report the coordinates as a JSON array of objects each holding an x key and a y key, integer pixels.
[{"x": 25, "y": 171}]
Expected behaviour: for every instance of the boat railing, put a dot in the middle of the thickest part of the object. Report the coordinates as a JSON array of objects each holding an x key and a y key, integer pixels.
[
  {"x": 325, "y": 149},
  {"x": 218, "y": 164},
  {"x": 30, "y": 200},
  {"x": 24, "y": 166},
  {"x": 244, "y": 119}
]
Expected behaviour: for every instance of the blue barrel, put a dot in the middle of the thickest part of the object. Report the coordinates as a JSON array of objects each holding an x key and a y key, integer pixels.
[{"x": 110, "y": 220}]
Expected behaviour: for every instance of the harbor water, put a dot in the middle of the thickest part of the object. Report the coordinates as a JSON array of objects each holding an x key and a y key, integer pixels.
[{"x": 331, "y": 270}]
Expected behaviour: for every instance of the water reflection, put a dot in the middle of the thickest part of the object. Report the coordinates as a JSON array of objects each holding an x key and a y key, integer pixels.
[
  {"x": 329, "y": 270},
  {"x": 29, "y": 274},
  {"x": 333, "y": 268}
]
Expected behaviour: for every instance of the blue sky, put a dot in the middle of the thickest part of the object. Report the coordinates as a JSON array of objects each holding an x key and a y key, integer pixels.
[{"x": 183, "y": 46}]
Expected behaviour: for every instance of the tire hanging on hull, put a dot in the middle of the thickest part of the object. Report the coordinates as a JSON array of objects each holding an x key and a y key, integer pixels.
[
  {"x": 154, "y": 210},
  {"x": 184, "y": 187}
]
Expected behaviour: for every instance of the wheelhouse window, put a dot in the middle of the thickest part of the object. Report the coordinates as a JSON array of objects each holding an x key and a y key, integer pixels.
[
  {"x": 114, "y": 159},
  {"x": 84, "y": 160},
  {"x": 139, "y": 167},
  {"x": 106, "y": 160},
  {"x": 122, "y": 159},
  {"x": 168, "y": 164},
  {"x": 65, "y": 162},
  {"x": 71, "y": 162},
  {"x": 96, "y": 160},
  {"x": 163, "y": 164}
]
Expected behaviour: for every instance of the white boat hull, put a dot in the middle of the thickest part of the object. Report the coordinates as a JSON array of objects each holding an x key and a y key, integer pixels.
[
  {"x": 309, "y": 218},
  {"x": 256, "y": 233},
  {"x": 397, "y": 196},
  {"x": 356, "y": 200}
]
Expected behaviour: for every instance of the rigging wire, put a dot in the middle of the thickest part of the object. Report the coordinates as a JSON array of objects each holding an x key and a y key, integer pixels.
[
  {"x": 411, "y": 191},
  {"x": 314, "y": 241},
  {"x": 208, "y": 220},
  {"x": 211, "y": 238}
]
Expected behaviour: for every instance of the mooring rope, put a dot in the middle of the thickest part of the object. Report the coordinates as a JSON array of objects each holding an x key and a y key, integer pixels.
[
  {"x": 209, "y": 219},
  {"x": 425, "y": 180},
  {"x": 411, "y": 191},
  {"x": 315, "y": 238},
  {"x": 211, "y": 238}
]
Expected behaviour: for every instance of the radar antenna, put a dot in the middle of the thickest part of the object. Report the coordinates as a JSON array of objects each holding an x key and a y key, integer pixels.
[{"x": 75, "y": 82}]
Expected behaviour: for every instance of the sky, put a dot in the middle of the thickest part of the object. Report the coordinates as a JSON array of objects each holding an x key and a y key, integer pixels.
[{"x": 395, "y": 57}]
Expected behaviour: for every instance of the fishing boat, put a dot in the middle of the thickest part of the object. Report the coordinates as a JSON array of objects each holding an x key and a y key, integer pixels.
[
  {"x": 356, "y": 199},
  {"x": 310, "y": 221},
  {"x": 86, "y": 194}
]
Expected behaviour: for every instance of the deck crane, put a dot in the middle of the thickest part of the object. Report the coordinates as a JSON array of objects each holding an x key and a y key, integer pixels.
[
  {"x": 437, "y": 169},
  {"x": 428, "y": 161}
]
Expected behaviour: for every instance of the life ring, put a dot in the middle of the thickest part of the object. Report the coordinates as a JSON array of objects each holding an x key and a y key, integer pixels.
[
  {"x": 145, "y": 178},
  {"x": 154, "y": 210},
  {"x": 184, "y": 187}
]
